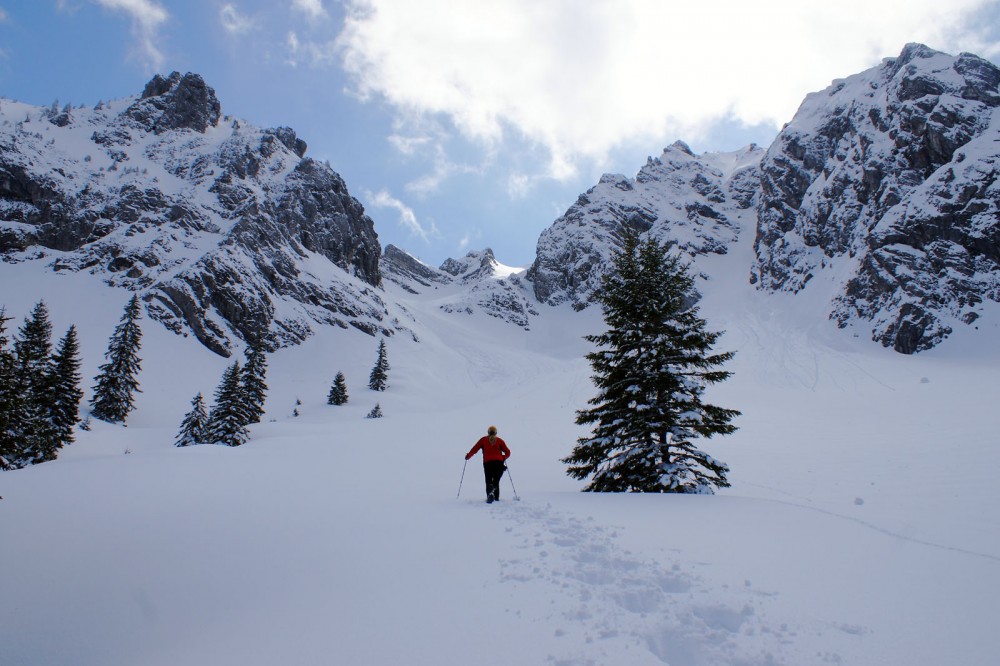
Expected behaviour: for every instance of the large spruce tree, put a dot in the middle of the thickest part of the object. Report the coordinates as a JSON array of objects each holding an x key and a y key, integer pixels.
[
  {"x": 117, "y": 383},
  {"x": 254, "y": 384},
  {"x": 9, "y": 437},
  {"x": 66, "y": 386},
  {"x": 34, "y": 382},
  {"x": 651, "y": 368},
  {"x": 227, "y": 422},
  {"x": 194, "y": 427}
]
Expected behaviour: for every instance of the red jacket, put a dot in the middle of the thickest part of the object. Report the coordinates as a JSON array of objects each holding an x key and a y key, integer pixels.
[{"x": 496, "y": 450}]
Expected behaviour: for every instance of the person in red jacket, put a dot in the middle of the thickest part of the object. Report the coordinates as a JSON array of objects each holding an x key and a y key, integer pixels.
[{"x": 495, "y": 452}]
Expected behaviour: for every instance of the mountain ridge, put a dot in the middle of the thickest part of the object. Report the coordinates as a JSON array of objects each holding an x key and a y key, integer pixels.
[{"x": 884, "y": 184}]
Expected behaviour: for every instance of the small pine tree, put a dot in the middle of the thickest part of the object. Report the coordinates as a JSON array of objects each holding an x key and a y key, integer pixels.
[
  {"x": 379, "y": 378},
  {"x": 254, "y": 386},
  {"x": 116, "y": 385},
  {"x": 36, "y": 393},
  {"x": 338, "y": 391},
  {"x": 66, "y": 385},
  {"x": 651, "y": 368},
  {"x": 195, "y": 424},
  {"x": 227, "y": 422},
  {"x": 376, "y": 412}
]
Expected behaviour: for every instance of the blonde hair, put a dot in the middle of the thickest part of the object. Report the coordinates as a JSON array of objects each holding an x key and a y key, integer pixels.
[{"x": 492, "y": 432}]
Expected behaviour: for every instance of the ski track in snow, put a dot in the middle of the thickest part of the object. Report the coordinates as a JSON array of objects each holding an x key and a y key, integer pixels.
[
  {"x": 882, "y": 530},
  {"x": 606, "y": 599}
]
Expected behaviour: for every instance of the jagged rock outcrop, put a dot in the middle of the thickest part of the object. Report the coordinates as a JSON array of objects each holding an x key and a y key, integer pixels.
[
  {"x": 408, "y": 272},
  {"x": 473, "y": 283},
  {"x": 693, "y": 201},
  {"x": 176, "y": 102},
  {"x": 213, "y": 220},
  {"x": 892, "y": 172}
]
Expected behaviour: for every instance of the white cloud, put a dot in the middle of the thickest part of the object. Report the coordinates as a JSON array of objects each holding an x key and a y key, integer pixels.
[
  {"x": 407, "y": 217},
  {"x": 147, "y": 16},
  {"x": 519, "y": 185},
  {"x": 3, "y": 15},
  {"x": 311, "y": 8},
  {"x": 466, "y": 241},
  {"x": 408, "y": 145},
  {"x": 580, "y": 79},
  {"x": 233, "y": 21},
  {"x": 315, "y": 53}
]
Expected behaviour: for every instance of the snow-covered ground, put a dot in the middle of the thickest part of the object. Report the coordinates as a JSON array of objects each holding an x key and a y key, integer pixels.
[{"x": 863, "y": 525}]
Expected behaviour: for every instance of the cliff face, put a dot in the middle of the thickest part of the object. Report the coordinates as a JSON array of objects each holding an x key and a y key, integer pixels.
[
  {"x": 694, "y": 201},
  {"x": 883, "y": 187},
  {"x": 214, "y": 221},
  {"x": 888, "y": 178}
]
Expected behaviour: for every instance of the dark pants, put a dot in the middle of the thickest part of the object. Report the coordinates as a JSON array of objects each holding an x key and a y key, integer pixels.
[{"x": 493, "y": 469}]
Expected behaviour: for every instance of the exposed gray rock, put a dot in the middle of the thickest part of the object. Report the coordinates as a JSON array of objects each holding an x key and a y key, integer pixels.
[
  {"x": 893, "y": 169},
  {"x": 409, "y": 272},
  {"x": 176, "y": 102},
  {"x": 691, "y": 201},
  {"x": 232, "y": 225}
]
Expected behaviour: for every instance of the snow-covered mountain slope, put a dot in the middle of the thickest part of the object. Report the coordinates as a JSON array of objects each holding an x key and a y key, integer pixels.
[
  {"x": 692, "y": 200},
  {"x": 477, "y": 281},
  {"x": 226, "y": 229},
  {"x": 881, "y": 193},
  {"x": 885, "y": 184},
  {"x": 847, "y": 536}
]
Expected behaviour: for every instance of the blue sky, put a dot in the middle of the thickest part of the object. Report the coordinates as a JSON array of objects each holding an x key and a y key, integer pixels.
[{"x": 464, "y": 125}]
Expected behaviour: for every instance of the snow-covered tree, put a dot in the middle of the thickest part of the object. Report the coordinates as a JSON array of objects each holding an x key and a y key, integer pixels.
[
  {"x": 227, "y": 422},
  {"x": 66, "y": 386},
  {"x": 254, "y": 384},
  {"x": 651, "y": 368},
  {"x": 33, "y": 420},
  {"x": 116, "y": 385},
  {"x": 376, "y": 412},
  {"x": 338, "y": 391},
  {"x": 379, "y": 378},
  {"x": 9, "y": 439},
  {"x": 195, "y": 424}
]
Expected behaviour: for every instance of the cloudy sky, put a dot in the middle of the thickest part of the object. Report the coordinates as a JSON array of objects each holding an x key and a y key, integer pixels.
[{"x": 464, "y": 124}]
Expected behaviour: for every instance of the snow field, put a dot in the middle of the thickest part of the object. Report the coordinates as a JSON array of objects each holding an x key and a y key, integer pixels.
[{"x": 862, "y": 526}]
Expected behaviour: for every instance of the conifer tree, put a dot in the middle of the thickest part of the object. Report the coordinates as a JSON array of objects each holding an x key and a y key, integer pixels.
[
  {"x": 33, "y": 422},
  {"x": 379, "y": 378},
  {"x": 9, "y": 438},
  {"x": 227, "y": 422},
  {"x": 66, "y": 386},
  {"x": 338, "y": 391},
  {"x": 375, "y": 413},
  {"x": 254, "y": 384},
  {"x": 116, "y": 385},
  {"x": 194, "y": 427},
  {"x": 651, "y": 369}
]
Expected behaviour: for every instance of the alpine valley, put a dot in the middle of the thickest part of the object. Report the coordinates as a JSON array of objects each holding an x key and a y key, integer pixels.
[{"x": 854, "y": 265}]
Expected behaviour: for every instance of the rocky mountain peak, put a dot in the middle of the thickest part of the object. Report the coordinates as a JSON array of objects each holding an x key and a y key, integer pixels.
[
  {"x": 696, "y": 202},
  {"x": 474, "y": 265},
  {"x": 891, "y": 170},
  {"x": 176, "y": 102},
  {"x": 226, "y": 231}
]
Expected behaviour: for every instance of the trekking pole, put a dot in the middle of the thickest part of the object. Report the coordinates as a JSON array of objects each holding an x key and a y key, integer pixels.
[
  {"x": 463, "y": 479},
  {"x": 511, "y": 479}
]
